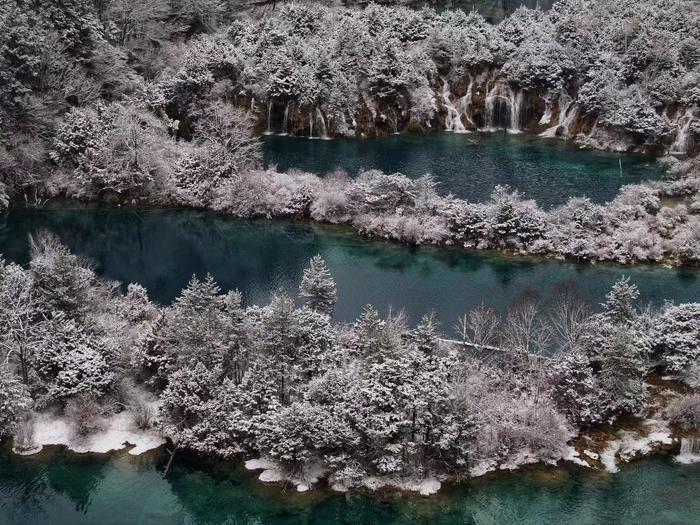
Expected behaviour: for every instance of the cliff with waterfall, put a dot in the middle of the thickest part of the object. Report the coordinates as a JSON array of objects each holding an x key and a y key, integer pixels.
[
  {"x": 486, "y": 102},
  {"x": 573, "y": 72},
  {"x": 621, "y": 76}
]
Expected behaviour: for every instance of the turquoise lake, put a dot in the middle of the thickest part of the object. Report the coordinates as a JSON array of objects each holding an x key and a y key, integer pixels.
[
  {"x": 61, "y": 488},
  {"x": 162, "y": 249},
  {"x": 470, "y": 165}
]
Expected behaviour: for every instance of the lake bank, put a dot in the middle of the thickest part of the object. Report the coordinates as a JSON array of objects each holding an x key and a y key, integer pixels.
[{"x": 63, "y": 488}]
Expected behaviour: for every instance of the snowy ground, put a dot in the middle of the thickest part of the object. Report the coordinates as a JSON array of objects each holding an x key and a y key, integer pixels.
[
  {"x": 630, "y": 445},
  {"x": 272, "y": 472},
  {"x": 120, "y": 432}
]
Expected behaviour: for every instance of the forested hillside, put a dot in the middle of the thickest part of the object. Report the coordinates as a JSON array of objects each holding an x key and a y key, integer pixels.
[{"x": 161, "y": 103}]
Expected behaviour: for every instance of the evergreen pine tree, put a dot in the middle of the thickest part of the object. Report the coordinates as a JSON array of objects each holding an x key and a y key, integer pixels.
[
  {"x": 425, "y": 335},
  {"x": 620, "y": 305},
  {"x": 318, "y": 287}
]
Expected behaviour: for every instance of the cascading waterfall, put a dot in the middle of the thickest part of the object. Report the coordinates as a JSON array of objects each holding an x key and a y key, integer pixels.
[
  {"x": 567, "y": 114},
  {"x": 488, "y": 107},
  {"x": 690, "y": 445},
  {"x": 322, "y": 121},
  {"x": 269, "y": 119},
  {"x": 546, "y": 117},
  {"x": 504, "y": 93},
  {"x": 285, "y": 120},
  {"x": 311, "y": 124},
  {"x": 516, "y": 104},
  {"x": 465, "y": 103},
  {"x": 680, "y": 144},
  {"x": 453, "y": 121},
  {"x": 395, "y": 122},
  {"x": 690, "y": 450},
  {"x": 252, "y": 103}
]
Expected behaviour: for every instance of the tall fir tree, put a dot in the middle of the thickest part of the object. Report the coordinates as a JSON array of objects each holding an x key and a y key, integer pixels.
[{"x": 318, "y": 288}]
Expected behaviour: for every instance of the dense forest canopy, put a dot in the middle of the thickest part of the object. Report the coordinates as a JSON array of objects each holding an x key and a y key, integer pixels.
[
  {"x": 161, "y": 102},
  {"x": 375, "y": 397},
  {"x": 130, "y": 91}
]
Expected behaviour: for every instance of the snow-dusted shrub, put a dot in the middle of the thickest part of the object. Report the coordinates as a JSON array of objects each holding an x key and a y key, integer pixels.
[
  {"x": 86, "y": 414},
  {"x": 297, "y": 434},
  {"x": 332, "y": 202},
  {"x": 512, "y": 221},
  {"x": 684, "y": 411},
  {"x": 677, "y": 336},
  {"x": 267, "y": 194},
  {"x": 413, "y": 229},
  {"x": 69, "y": 360},
  {"x": 117, "y": 148},
  {"x": 577, "y": 391},
  {"x": 15, "y": 401}
]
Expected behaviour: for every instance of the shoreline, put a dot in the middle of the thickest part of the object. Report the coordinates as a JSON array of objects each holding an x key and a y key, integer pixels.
[
  {"x": 602, "y": 449},
  {"x": 267, "y": 473},
  {"x": 506, "y": 253}
]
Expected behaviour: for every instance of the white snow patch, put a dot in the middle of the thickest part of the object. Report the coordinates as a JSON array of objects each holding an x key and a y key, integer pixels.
[
  {"x": 592, "y": 455},
  {"x": 573, "y": 456},
  {"x": 120, "y": 431},
  {"x": 483, "y": 467},
  {"x": 425, "y": 487},
  {"x": 522, "y": 457},
  {"x": 260, "y": 464},
  {"x": 429, "y": 487},
  {"x": 634, "y": 445},
  {"x": 273, "y": 472},
  {"x": 607, "y": 458},
  {"x": 631, "y": 445},
  {"x": 271, "y": 475}
]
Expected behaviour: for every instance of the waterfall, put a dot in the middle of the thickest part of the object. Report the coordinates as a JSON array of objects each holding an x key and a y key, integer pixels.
[
  {"x": 570, "y": 116},
  {"x": 319, "y": 116},
  {"x": 453, "y": 121},
  {"x": 680, "y": 144},
  {"x": 516, "y": 104},
  {"x": 395, "y": 122},
  {"x": 567, "y": 113},
  {"x": 547, "y": 115},
  {"x": 690, "y": 450},
  {"x": 285, "y": 129},
  {"x": 501, "y": 91},
  {"x": 311, "y": 124},
  {"x": 464, "y": 105},
  {"x": 488, "y": 108},
  {"x": 252, "y": 103},
  {"x": 269, "y": 121}
]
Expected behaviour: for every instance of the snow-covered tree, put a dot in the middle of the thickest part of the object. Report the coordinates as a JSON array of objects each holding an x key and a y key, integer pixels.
[
  {"x": 677, "y": 336},
  {"x": 68, "y": 360},
  {"x": 14, "y": 401},
  {"x": 318, "y": 288}
]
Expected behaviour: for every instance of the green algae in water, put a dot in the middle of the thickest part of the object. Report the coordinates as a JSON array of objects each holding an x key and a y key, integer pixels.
[{"x": 61, "y": 488}]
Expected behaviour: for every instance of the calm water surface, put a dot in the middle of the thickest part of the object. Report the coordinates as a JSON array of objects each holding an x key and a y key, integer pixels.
[
  {"x": 60, "y": 488},
  {"x": 547, "y": 170},
  {"x": 162, "y": 249}
]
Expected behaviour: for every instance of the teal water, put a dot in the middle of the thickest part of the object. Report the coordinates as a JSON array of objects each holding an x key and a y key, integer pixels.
[
  {"x": 60, "y": 488},
  {"x": 469, "y": 166},
  {"x": 162, "y": 249}
]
